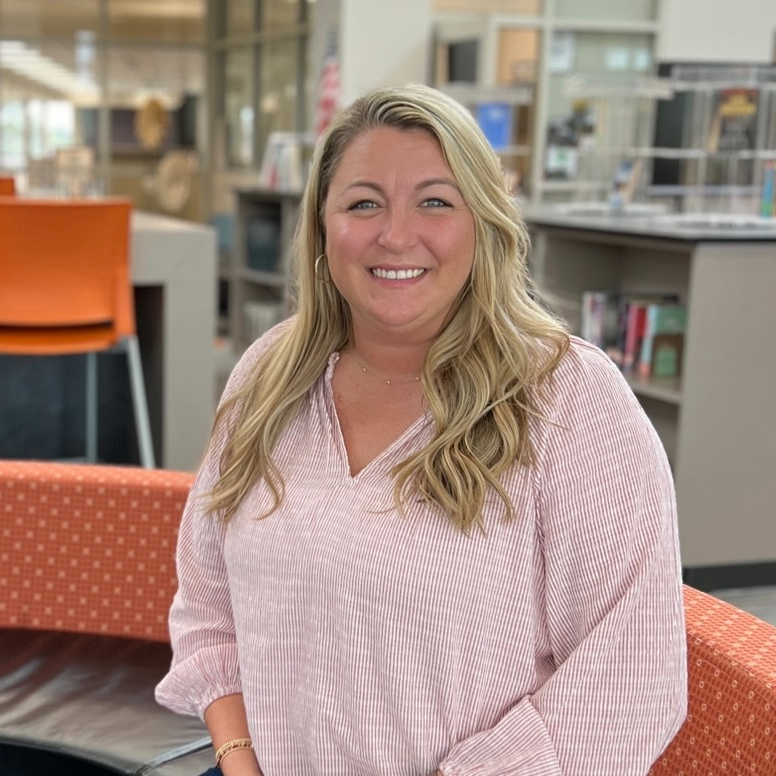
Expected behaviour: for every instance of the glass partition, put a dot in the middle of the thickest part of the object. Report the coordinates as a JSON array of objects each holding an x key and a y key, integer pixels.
[
  {"x": 611, "y": 10},
  {"x": 43, "y": 88},
  {"x": 237, "y": 17},
  {"x": 94, "y": 94},
  {"x": 168, "y": 21},
  {"x": 510, "y": 7},
  {"x": 43, "y": 18},
  {"x": 280, "y": 14},
  {"x": 238, "y": 88},
  {"x": 278, "y": 108},
  {"x": 596, "y": 111},
  {"x": 261, "y": 83},
  {"x": 155, "y": 98}
]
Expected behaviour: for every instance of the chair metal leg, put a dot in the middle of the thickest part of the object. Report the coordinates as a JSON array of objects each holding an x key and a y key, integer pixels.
[
  {"x": 91, "y": 407},
  {"x": 140, "y": 404}
]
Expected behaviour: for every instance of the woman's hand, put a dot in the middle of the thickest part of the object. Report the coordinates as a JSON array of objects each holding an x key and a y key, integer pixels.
[
  {"x": 241, "y": 763},
  {"x": 226, "y": 721}
]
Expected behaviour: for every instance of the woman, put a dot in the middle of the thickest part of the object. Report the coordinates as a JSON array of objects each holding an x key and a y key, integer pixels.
[{"x": 432, "y": 532}]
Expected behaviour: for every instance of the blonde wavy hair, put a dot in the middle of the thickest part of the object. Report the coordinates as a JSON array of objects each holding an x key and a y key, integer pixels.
[{"x": 482, "y": 373}]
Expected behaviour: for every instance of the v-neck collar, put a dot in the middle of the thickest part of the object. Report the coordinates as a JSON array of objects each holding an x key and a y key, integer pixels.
[{"x": 378, "y": 466}]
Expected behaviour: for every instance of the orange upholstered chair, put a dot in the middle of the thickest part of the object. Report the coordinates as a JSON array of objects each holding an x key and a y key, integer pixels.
[
  {"x": 7, "y": 186},
  {"x": 731, "y": 722},
  {"x": 86, "y": 583},
  {"x": 91, "y": 549},
  {"x": 66, "y": 289}
]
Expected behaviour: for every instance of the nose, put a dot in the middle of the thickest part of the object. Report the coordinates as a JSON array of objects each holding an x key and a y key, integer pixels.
[{"x": 399, "y": 231}]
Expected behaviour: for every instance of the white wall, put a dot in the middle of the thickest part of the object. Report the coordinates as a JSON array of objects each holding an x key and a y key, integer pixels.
[
  {"x": 717, "y": 31},
  {"x": 383, "y": 43},
  {"x": 380, "y": 43}
]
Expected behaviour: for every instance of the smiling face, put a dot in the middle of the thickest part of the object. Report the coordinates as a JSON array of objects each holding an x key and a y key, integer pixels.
[{"x": 399, "y": 236}]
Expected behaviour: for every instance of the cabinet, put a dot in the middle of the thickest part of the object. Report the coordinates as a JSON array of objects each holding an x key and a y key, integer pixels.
[
  {"x": 265, "y": 224},
  {"x": 718, "y": 423}
]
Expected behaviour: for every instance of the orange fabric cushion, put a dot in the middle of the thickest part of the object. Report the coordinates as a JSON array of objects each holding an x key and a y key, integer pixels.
[
  {"x": 89, "y": 548},
  {"x": 731, "y": 722}
]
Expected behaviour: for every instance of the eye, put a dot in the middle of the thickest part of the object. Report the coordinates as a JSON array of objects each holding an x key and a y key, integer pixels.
[
  {"x": 363, "y": 204},
  {"x": 435, "y": 202}
]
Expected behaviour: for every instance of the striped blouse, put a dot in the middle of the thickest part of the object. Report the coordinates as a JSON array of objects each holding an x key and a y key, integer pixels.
[{"x": 367, "y": 643}]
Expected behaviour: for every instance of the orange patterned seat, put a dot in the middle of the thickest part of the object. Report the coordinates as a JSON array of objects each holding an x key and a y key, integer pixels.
[
  {"x": 89, "y": 549},
  {"x": 731, "y": 722},
  {"x": 87, "y": 576}
]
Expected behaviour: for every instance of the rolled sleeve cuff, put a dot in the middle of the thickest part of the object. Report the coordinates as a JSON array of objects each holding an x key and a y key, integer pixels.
[
  {"x": 518, "y": 746},
  {"x": 192, "y": 685}
]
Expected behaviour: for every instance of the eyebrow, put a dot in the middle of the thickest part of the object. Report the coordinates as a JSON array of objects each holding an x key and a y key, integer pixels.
[{"x": 422, "y": 185}]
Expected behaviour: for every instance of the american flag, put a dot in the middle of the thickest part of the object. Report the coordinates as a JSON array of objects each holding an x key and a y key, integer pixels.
[{"x": 328, "y": 102}]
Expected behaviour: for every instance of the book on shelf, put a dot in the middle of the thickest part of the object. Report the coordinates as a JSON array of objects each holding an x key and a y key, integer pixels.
[
  {"x": 667, "y": 351},
  {"x": 633, "y": 334},
  {"x": 627, "y": 326},
  {"x": 633, "y": 323},
  {"x": 663, "y": 321},
  {"x": 734, "y": 124},
  {"x": 262, "y": 243},
  {"x": 768, "y": 190},
  {"x": 600, "y": 319}
]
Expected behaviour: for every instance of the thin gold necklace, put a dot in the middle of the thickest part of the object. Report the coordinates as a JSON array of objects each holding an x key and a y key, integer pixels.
[{"x": 360, "y": 364}]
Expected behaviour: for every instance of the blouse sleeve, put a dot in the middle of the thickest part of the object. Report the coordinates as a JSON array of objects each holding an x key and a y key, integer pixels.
[
  {"x": 202, "y": 633},
  {"x": 613, "y": 599}
]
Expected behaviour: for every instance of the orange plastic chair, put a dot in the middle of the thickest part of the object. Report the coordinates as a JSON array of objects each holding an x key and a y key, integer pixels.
[
  {"x": 7, "y": 186},
  {"x": 66, "y": 289}
]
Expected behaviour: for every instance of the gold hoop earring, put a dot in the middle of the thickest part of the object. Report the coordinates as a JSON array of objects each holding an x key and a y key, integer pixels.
[{"x": 318, "y": 272}]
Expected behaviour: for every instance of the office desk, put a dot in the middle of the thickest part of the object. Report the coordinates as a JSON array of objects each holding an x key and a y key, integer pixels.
[{"x": 42, "y": 399}]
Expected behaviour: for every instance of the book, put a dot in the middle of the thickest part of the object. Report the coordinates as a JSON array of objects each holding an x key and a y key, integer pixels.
[
  {"x": 632, "y": 326},
  {"x": 734, "y": 125},
  {"x": 262, "y": 243},
  {"x": 624, "y": 325},
  {"x": 600, "y": 319},
  {"x": 667, "y": 351},
  {"x": 662, "y": 318},
  {"x": 767, "y": 195},
  {"x": 634, "y": 333}
]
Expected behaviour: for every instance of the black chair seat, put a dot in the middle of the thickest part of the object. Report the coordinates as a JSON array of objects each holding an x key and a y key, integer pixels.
[{"x": 91, "y": 698}]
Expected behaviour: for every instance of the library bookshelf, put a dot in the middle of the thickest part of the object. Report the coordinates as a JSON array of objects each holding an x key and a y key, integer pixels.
[{"x": 718, "y": 420}]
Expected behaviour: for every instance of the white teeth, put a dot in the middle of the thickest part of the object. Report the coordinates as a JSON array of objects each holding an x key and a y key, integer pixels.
[{"x": 397, "y": 274}]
